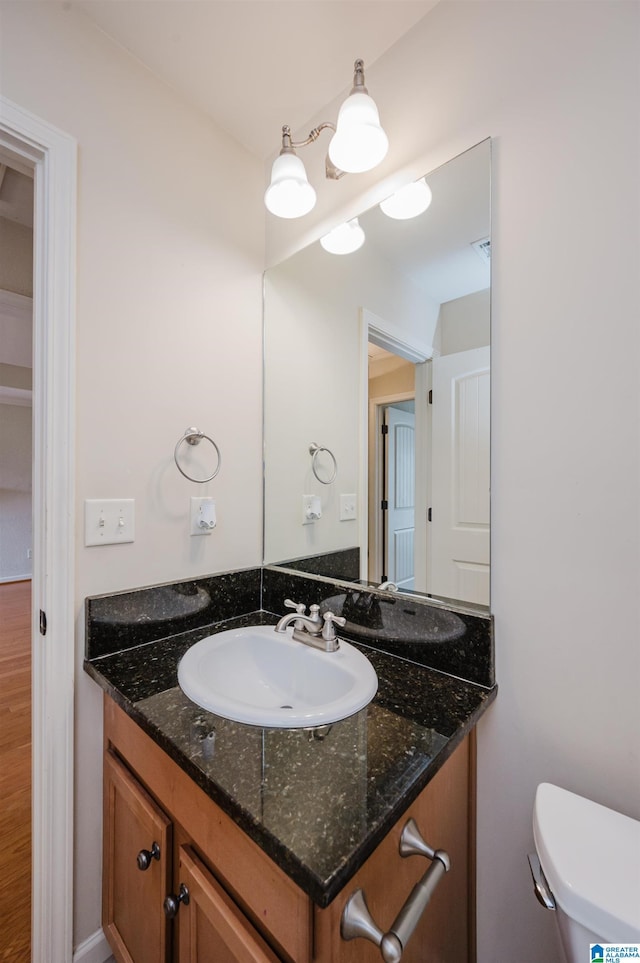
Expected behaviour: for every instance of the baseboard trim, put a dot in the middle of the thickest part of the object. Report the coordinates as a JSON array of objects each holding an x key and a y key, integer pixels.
[{"x": 95, "y": 949}]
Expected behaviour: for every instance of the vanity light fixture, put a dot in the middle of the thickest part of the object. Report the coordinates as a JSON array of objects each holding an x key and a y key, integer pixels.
[
  {"x": 409, "y": 201},
  {"x": 358, "y": 144},
  {"x": 344, "y": 239},
  {"x": 289, "y": 194}
]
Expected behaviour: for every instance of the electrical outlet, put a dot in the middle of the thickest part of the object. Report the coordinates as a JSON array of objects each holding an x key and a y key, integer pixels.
[
  {"x": 311, "y": 509},
  {"x": 203, "y": 515}
]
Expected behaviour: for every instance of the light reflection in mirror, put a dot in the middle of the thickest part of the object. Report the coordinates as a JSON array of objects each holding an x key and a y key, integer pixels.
[{"x": 410, "y": 506}]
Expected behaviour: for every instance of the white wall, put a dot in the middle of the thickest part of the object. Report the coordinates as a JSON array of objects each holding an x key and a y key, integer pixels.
[
  {"x": 15, "y": 490},
  {"x": 464, "y": 323},
  {"x": 170, "y": 255},
  {"x": 556, "y": 85},
  {"x": 15, "y": 534},
  {"x": 16, "y": 257}
]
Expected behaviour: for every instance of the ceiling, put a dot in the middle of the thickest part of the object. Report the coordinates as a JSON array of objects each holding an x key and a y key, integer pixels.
[{"x": 254, "y": 65}]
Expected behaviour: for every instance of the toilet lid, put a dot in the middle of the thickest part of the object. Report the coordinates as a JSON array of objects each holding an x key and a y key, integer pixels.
[{"x": 590, "y": 856}]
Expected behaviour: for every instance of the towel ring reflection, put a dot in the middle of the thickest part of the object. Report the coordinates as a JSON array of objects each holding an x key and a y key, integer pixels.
[
  {"x": 314, "y": 451},
  {"x": 193, "y": 436}
]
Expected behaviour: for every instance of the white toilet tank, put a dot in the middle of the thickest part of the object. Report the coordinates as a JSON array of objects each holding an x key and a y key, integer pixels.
[{"x": 590, "y": 856}]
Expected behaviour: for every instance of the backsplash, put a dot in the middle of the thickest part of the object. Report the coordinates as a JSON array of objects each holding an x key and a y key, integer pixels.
[
  {"x": 450, "y": 640},
  {"x": 127, "y": 619},
  {"x": 344, "y": 564}
]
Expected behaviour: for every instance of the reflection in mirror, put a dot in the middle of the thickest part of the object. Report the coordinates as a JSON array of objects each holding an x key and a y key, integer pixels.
[{"x": 381, "y": 358}]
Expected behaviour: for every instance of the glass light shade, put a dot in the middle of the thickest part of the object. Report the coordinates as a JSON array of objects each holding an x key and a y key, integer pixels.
[
  {"x": 359, "y": 143},
  {"x": 409, "y": 201},
  {"x": 289, "y": 194},
  {"x": 344, "y": 239}
]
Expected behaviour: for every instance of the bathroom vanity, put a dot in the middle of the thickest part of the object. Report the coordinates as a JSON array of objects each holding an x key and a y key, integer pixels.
[{"x": 230, "y": 842}]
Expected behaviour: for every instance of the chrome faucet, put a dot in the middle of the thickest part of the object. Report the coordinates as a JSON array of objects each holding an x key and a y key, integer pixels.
[{"x": 311, "y": 629}]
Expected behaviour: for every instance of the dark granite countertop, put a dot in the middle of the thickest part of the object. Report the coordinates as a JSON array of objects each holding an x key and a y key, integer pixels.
[{"x": 317, "y": 801}]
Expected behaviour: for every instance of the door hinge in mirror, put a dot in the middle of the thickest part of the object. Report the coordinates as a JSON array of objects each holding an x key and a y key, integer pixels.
[
  {"x": 430, "y": 396},
  {"x": 429, "y": 515},
  {"x": 43, "y": 623},
  {"x": 384, "y": 505}
]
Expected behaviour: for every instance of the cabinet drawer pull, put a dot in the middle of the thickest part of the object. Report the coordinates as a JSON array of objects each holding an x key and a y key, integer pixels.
[
  {"x": 356, "y": 920},
  {"x": 171, "y": 904},
  {"x": 145, "y": 856}
]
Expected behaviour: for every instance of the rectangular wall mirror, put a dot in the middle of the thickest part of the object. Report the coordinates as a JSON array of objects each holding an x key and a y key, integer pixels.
[{"x": 377, "y": 398}]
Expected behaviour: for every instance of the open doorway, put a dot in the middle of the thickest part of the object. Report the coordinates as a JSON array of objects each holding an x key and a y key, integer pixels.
[
  {"x": 16, "y": 554},
  {"x": 36, "y": 149},
  {"x": 391, "y": 468}
]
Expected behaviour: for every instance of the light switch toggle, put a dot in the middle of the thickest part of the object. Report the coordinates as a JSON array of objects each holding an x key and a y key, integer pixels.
[
  {"x": 203, "y": 515},
  {"x": 108, "y": 521}
]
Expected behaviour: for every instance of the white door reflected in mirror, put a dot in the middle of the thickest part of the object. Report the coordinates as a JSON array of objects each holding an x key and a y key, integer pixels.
[{"x": 458, "y": 567}]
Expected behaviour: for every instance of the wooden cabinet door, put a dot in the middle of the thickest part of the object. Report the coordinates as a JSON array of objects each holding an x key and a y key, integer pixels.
[
  {"x": 132, "y": 912},
  {"x": 212, "y": 929}
]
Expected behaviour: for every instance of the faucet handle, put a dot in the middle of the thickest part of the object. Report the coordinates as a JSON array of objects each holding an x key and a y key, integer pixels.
[
  {"x": 300, "y": 607},
  {"x": 328, "y": 629}
]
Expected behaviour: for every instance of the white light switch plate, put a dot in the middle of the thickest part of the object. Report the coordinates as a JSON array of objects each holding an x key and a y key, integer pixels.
[
  {"x": 109, "y": 520},
  {"x": 348, "y": 507}
]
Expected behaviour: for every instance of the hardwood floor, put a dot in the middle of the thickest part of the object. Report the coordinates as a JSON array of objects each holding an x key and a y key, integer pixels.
[{"x": 15, "y": 772}]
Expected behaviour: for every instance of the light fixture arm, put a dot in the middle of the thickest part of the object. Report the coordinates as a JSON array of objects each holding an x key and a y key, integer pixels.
[
  {"x": 313, "y": 135},
  {"x": 289, "y": 146}
]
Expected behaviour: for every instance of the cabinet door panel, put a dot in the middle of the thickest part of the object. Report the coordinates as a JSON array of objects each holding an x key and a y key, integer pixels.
[
  {"x": 132, "y": 913},
  {"x": 212, "y": 929}
]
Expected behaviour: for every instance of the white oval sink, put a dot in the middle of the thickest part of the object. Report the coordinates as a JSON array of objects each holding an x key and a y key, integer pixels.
[{"x": 262, "y": 677}]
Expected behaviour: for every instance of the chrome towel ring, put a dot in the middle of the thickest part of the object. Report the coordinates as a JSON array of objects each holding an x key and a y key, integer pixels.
[
  {"x": 193, "y": 436},
  {"x": 314, "y": 451}
]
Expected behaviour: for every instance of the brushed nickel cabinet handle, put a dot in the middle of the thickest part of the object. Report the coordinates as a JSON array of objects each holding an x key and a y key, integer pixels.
[{"x": 356, "y": 920}]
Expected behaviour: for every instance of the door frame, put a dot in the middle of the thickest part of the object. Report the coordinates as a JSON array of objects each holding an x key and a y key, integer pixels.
[
  {"x": 30, "y": 144},
  {"x": 387, "y": 335}
]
